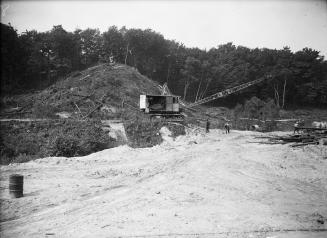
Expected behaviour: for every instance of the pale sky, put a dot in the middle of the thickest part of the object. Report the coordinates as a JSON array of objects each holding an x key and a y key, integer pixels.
[{"x": 204, "y": 24}]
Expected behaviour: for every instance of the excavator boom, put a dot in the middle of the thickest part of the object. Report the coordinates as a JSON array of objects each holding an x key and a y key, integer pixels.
[{"x": 228, "y": 91}]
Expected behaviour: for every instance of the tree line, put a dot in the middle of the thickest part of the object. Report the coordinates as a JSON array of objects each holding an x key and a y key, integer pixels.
[{"x": 35, "y": 59}]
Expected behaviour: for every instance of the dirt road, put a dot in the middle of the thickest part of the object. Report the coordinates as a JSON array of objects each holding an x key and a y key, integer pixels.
[{"x": 199, "y": 185}]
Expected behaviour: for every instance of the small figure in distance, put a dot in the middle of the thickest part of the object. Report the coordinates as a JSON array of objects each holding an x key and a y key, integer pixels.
[
  {"x": 227, "y": 127},
  {"x": 297, "y": 125},
  {"x": 207, "y": 125}
]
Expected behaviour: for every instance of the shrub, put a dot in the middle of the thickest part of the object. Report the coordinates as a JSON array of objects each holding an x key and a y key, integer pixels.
[
  {"x": 145, "y": 132},
  {"x": 80, "y": 139},
  {"x": 5, "y": 151},
  {"x": 176, "y": 129},
  {"x": 256, "y": 111},
  {"x": 64, "y": 146},
  {"x": 51, "y": 138},
  {"x": 94, "y": 139},
  {"x": 43, "y": 110},
  {"x": 23, "y": 158},
  {"x": 26, "y": 144},
  {"x": 8, "y": 101}
]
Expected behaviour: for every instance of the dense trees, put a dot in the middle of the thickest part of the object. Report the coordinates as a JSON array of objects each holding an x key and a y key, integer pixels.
[
  {"x": 33, "y": 59},
  {"x": 12, "y": 55}
]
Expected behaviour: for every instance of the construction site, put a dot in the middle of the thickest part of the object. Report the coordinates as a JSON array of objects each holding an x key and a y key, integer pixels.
[
  {"x": 163, "y": 119},
  {"x": 157, "y": 172}
]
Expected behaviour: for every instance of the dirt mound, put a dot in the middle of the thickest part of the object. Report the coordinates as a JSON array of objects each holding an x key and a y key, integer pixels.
[{"x": 97, "y": 92}]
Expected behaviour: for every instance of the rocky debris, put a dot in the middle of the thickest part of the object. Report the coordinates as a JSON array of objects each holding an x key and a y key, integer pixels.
[{"x": 310, "y": 138}]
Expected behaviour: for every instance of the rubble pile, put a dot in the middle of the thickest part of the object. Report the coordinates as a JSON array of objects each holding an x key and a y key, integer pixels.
[{"x": 309, "y": 137}]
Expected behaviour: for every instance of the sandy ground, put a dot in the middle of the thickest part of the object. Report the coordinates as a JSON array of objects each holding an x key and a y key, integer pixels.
[{"x": 198, "y": 185}]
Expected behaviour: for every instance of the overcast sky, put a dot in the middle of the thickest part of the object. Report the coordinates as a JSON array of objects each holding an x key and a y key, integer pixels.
[{"x": 204, "y": 24}]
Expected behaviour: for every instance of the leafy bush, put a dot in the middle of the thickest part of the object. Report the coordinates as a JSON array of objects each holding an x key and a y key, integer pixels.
[
  {"x": 256, "y": 111},
  {"x": 8, "y": 101},
  {"x": 26, "y": 144},
  {"x": 144, "y": 132},
  {"x": 64, "y": 146},
  {"x": 79, "y": 140},
  {"x": 44, "y": 110},
  {"x": 176, "y": 129},
  {"x": 23, "y": 158},
  {"x": 23, "y": 141}
]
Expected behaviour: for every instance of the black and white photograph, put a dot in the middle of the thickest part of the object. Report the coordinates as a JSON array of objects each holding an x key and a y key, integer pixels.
[{"x": 163, "y": 119}]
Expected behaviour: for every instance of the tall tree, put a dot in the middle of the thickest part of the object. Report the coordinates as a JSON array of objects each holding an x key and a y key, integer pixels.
[
  {"x": 113, "y": 45},
  {"x": 90, "y": 45},
  {"x": 12, "y": 56}
]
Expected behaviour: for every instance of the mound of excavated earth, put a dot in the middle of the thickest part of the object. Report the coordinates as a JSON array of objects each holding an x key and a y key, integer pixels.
[
  {"x": 107, "y": 85},
  {"x": 198, "y": 185}
]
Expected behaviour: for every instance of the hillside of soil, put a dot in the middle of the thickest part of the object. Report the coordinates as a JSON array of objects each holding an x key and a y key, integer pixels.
[{"x": 97, "y": 92}]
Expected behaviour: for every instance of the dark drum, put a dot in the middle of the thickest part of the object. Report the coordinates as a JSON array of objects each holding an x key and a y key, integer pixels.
[{"x": 16, "y": 184}]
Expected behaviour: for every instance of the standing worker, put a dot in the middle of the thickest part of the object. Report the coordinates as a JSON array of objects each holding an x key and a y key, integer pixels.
[
  {"x": 207, "y": 125},
  {"x": 296, "y": 127},
  {"x": 227, "y": 127},
  {"x": 298, "y": 124}
]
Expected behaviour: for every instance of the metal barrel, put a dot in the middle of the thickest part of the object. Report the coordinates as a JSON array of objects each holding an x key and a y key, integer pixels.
[{"x": 16, "y": 185}]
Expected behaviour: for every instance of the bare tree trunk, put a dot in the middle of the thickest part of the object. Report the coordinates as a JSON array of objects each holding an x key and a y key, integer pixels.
[
  {"x": 168, "y": 73},
  {"x": 126, "y": 53},
  {"x": 284, "y": 93},
  {"x": 185, "y": 89},
  {"x": 134, "y": 61},
  {"x": 276, "y": 95},
  {"x": 205, "y": 90},
  {"x": 48, "y": 69},
  {"x": 197, "y": 93}
]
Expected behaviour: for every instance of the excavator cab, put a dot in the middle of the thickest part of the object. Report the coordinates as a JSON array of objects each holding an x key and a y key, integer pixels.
[{"x": 160, "y": 105}]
